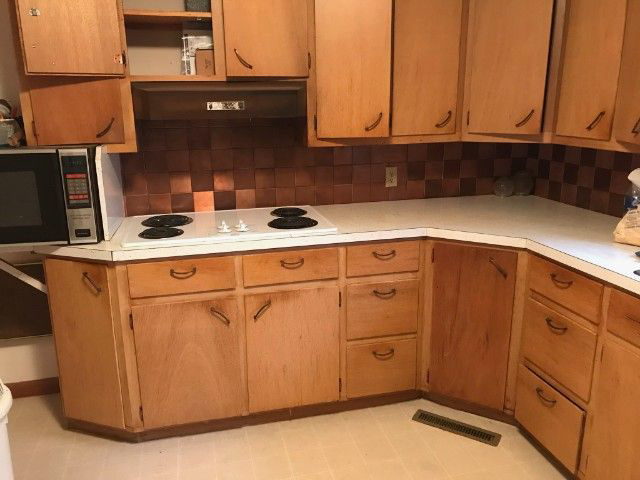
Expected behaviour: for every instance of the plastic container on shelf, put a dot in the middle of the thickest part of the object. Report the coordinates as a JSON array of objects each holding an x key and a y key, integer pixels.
[{"x": 6, "y": 469}]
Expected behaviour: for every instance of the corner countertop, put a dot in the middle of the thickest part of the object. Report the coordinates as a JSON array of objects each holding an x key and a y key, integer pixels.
[{"x": 578, "y": 238}]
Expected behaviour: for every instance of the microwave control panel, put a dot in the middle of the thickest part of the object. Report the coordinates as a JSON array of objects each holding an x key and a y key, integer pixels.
[{"x": 75, "y": 172}]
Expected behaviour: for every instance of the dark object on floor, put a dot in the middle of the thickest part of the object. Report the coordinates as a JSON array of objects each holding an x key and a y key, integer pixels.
[{"x": 459, "y": 428}]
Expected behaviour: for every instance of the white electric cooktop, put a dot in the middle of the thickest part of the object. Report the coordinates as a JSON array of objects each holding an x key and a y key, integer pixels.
[{"x": 221, "y": 226}]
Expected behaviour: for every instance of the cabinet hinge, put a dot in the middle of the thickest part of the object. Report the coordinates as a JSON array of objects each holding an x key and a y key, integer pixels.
[
  {"x": 131, "y": 321},
  {"x": 120, "y": 58},
  {"x": 141, "y": 414},
  {"x": 339, "y": 299},
  {"x": 309, "y": 60},
  {"x": 315, "y": 123},
  {"x": 339, "y": 385}
]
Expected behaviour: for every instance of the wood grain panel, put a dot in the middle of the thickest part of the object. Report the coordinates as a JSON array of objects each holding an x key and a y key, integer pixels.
[
  {"x": 473, "y": 289},
  {"x": 381, "y": 367},
  {"x": 507, "y": 65},
  {"x": 353, "y": 68},
  {"x": 383, "y": 308},
  {"x": 290, "y": 266},
  {"x": 180, "y": 276},
  {"x": 559, "y": 346},
  {"x": 189, "y": 361},
  {"x": 378, "y": 258},
  {"x": 591, "y": 64},
  {"x": 623, "y": 317},
  {"x": 425, "y": 66},
  {"x": 552, "y": 419}
]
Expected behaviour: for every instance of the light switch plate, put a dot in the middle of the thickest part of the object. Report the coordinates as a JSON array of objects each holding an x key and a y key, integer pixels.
[{"x": 391, "y": 177}]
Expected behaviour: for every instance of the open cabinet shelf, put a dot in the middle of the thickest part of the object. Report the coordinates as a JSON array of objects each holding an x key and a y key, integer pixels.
[{"x": 162, "y": 17}]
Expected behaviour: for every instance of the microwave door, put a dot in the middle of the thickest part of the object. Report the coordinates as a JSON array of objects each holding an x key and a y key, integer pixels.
[{"x": 32, "y": 206}]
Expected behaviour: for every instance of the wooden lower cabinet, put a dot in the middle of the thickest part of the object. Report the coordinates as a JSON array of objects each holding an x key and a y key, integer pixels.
[
  {"x": 190, "y": 361},
  {"x": 473, "y": 293},
  {"x": 292, "y": 348}
]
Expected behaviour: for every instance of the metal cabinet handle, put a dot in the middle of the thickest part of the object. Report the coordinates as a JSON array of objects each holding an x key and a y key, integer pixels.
[
  {"x": 446, "y": 120},
  {"x": 292, "y": 265},
  {"x": 525, "y": 119},
  {"x": 374, "y": 124},
  {"x": 182, "y": 275},
  {"x": 385, "y": 295},
  {"x": 220, "y": 316},
  {"x": 384, "y": 355},
  {"x": 636, "y": 128},
  {"x": 501, "y": 270},
  {"x": 384, "y": 256},
  {"x": 563, "y": 284},
  {"x": 558, "y": 330},
  {"x": 102, "y": 133},
  {"x": 88, "y": 281},
  {"x": 596, "y": 121},
  {"x": 262, "y": 310},
  {"x": 242, "y": 60},
  {"x": 549, "y": 402}
]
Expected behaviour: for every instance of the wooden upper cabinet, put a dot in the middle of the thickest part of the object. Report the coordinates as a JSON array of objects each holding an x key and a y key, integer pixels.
[
  {"x": 71, "y": 37},
  {"x": 69, "y": 111},
  {"x": 190, "y": 361},
  {"x": 353, "y": 68},
  {"x": 627, "y": 117},
  {"x": 425, "y": 66},
  {"x": 613, "y": 429},
  {"x": 508, "y": 49},
  {"x": 266, "y": 38},
  {"x": 473, "y": 291},
  {"x": 590, "y": 68}
]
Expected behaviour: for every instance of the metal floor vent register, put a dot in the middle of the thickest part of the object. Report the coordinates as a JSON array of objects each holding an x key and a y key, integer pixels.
[{"x": 459, "y": 428}]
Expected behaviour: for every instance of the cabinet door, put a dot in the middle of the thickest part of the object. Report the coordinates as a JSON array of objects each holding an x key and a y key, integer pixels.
[
  {"x": 353, "y": 67},
  {"x": 425, "y": 66},
  {"x": 473, "y": 292},
  {"x": 292, "y": 348},
  {"x": 592, "y": 52},
  {"x": 72, "y": 111},
  {"x": 266, "y": 38},
  {"x": 627, "y": 116},
  {"x": 614, "y": 429},
  {"x": 190, "y": 361},
  {"x": 71, "y": 37},
  {"x": 507, "y": 65},
  {"x": 80, "y": 300}
]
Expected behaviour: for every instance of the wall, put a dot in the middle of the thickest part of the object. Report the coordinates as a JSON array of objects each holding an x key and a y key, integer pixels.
[{"x": 201, "y": 166}]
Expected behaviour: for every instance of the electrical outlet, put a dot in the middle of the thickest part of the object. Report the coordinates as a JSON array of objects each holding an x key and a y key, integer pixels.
[{"x": 391, "y": 177}]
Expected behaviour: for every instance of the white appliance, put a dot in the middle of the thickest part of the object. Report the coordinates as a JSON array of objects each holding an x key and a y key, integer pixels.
[
  {"x": 6, "y": 469},
  {"x": 224, "y": 226}
]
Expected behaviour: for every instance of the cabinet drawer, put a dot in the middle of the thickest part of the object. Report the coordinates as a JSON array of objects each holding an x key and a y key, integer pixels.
[
  {"x": 180, "y": 276},
  {"x": 550, "y": 417},
  {"x": 381, "y": 367},
  {"x": 560, "y": 346},
  {"x": 378, "y": 258},
  {"x": 290, "y": 266},
  {"x": 623, "y": 318},
  {"x": 379, "y": 309},
  {"x": 571, "y": 290}
]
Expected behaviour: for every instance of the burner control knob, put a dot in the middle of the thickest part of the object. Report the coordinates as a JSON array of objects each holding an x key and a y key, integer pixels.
[
  {"x": 223, "y": 227},
  {"x": 242, "y": 227}
]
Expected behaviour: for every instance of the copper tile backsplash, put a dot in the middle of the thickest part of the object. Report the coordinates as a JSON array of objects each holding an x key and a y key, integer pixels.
[{"x": 200, "y": 166}]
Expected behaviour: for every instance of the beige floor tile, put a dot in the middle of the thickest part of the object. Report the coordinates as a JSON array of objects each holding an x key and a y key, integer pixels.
[
  {"x": 300, "y": 438},
  {"x": 308, "y": 461},
  {"x": 236, "y": 470},
  {"x": 425, "y": 467},
  {"x": 276, "y": 467},
  {"x": 386, "y": 469},
  {"x": 351, "y": 473},
  {"x": 315, "y": 476},
  {"x": 200, "y": 472},
  {"x": 376, "y": 449},
  {"x": 344, "y": 456}
]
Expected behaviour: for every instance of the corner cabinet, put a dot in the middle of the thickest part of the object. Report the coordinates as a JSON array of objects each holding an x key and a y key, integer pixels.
[{"x": 353, "y": 68}]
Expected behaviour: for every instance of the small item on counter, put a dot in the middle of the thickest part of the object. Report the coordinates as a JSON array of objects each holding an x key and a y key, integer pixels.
[
  {"x": 204, "y": 61},
  {"x": 503, "y": 187},
  {"x": 11, "y": 133},
  {"x": 628, "y": 229},
  {"x": 632, "y": 198},
  {"x": 523, "y": 183},
  {"x": 197, "y": 5}
]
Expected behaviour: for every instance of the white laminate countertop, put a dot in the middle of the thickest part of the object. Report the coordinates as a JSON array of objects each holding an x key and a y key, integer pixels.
[{"x": 579, "y": 238}]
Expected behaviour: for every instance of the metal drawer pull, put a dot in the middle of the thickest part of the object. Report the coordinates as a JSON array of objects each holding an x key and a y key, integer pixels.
[
  {"x": 525, "y": 119},
  {"x": 220, "y": 316},
  {"x": 262, "y": 310},
  {"x": 182, "y": 275},
  {"x": 446, "y": 120},
  {"x": 385, "y": 295},
  {"x": 102, "y": 133},
  {"x": 384, "y": 256},
  {"x": 502, "y": 271},
  {"x": 292, "y": 265},
  {"x": 636, "y": 128},
  {"x": 596, "y": 121},
  {"x": 242, "y": 60},
  {"x": 558, "y": 330},
  {"x": 384, "y": 355},
  {"x": 88, "y": 281},
  {"x": 549, "y": 402},
  {"x": 374, "y": 124},
  {"x": 564, "y": 284}
]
